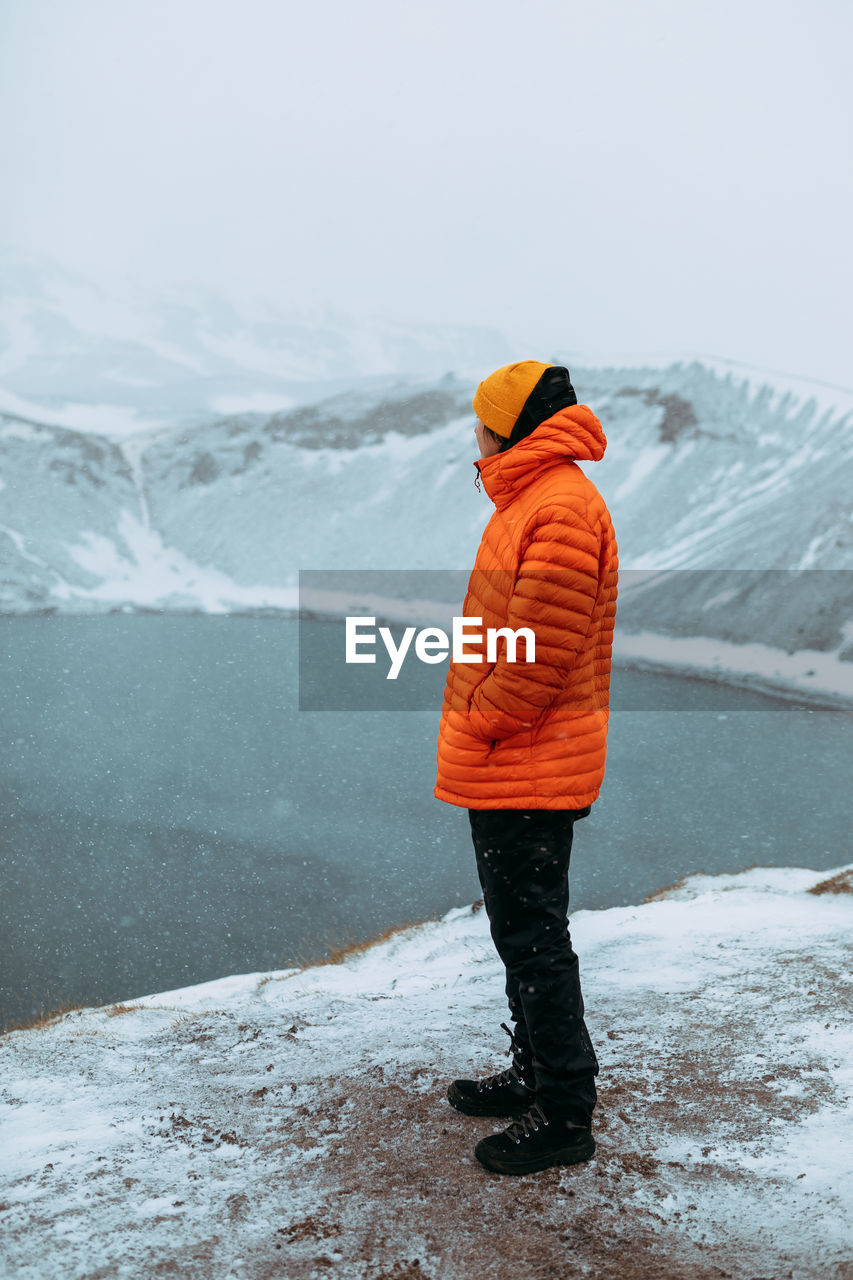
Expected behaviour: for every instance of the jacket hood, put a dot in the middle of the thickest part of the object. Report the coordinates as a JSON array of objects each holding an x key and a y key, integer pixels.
[{"x": 573, "y": 433}]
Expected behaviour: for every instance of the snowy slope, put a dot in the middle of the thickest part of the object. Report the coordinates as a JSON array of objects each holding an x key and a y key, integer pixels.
[{"x": 294, "y": 1123}]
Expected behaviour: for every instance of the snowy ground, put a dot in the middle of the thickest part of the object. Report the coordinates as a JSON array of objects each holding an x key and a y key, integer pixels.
[{"x": 294, "y": 1123}]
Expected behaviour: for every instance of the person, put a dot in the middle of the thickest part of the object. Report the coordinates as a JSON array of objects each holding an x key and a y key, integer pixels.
[{"x": 522, "y": 745}]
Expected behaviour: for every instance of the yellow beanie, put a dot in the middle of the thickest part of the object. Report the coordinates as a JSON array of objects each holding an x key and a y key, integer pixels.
[{"x": 500, "y": 398}]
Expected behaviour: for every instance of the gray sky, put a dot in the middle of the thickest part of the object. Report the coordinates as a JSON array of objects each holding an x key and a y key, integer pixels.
[{"x": 606, "y": 178}]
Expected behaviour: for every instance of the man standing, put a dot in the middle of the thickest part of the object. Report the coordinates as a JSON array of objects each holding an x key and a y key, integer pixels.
[{"x": 522, "y": 745}]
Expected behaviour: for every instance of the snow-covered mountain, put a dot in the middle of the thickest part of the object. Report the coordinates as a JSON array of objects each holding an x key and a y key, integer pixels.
[
  {"x": 732, "y": 477},
  {"x": 192, "y": 453}
]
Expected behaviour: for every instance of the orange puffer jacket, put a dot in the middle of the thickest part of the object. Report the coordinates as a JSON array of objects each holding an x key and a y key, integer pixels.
[{"x": 517, "y": 735}]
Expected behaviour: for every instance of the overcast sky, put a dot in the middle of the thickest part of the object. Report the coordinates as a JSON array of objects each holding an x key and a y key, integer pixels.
[{"x": 605, "y": 178}]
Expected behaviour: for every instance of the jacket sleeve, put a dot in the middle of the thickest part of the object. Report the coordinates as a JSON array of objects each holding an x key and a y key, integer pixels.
[{"x": 554, "y": 595}]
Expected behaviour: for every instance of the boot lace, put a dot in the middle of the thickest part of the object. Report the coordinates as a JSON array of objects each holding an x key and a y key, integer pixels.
[
  {"x": 510, "y": 1074},
  {"x": 526, "y": 1124}
]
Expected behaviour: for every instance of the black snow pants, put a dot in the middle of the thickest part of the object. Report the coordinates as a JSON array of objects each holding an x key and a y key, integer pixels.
[{"x": 523, "y": 865}]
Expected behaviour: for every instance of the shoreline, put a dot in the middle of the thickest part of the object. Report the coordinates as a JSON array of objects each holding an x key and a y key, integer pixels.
[{"x": 818, "y": 678}]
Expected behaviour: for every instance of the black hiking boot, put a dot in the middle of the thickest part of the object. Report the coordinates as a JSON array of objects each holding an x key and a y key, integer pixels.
[
  {"x": 534, "y": 1142},
  {"x": 508, "y": 1093}
]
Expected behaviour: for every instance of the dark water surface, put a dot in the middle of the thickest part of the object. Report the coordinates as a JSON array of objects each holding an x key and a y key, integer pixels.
[{"x": 169, "y": 816}]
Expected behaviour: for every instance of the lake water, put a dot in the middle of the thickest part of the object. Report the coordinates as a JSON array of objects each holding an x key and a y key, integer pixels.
[{"x": 169, "y": 816}]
